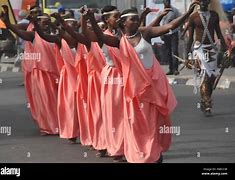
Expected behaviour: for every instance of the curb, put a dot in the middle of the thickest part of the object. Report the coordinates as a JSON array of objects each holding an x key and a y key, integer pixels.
[{"x": 9, "y": 68}]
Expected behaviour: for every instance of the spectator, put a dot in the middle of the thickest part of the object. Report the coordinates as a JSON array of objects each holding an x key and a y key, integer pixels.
[
  {"x": 22, "y": 20},
  {"x": 171, "y": 39}
]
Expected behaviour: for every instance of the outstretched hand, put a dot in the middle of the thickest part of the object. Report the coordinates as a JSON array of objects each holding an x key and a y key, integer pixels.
[
  {"x": 146, "y": 12},
  {"x": 5, "y": 14},
  {"x": 165, "y": 11},
  {"x": 192, "y": 6},
  {"x": 88, "y": 13}
]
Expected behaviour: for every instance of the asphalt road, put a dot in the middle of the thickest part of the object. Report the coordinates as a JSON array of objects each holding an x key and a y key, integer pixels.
[{"x": 198, "y": 139}]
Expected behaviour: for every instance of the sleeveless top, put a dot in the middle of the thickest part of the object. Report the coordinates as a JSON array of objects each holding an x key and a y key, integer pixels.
[
  {"x": 74, "y": 52},
  {"x": 145, "y": 53},
  {"x": 108, "y": 60}
]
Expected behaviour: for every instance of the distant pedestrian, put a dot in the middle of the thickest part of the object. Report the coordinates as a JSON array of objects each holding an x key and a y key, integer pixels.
[{"x": 171, "y": 39}]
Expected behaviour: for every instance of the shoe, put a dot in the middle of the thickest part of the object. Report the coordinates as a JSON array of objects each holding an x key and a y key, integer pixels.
[
  {"x": 72, "y": 140},
  {"x": 91, "y": 148},
  {"x": 207, "y": 112},
  {"x": 101, "y": 153},
  {"x": 42, "y": 133},
  {"x": 176, "y": 73},
  {"x": 160, "y": 160},
  {"x": 118, "y": 159},
  {"x": 170, "y": 73}
]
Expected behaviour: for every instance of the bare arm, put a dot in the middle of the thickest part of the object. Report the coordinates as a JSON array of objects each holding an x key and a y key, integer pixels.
[
  {"x": 156, "y": 22},
  {"x": 64, "y": 35},
  {"x": 191, "y": 36},
  {"x": 78, "y": 36},
  {"x": 47, "y": 37},
  {"x": 22, "y": 26},
  {"x": 25, "y": 35},
  {"x": 158, "y": 31},
  {"x": 104, "y": 38},
  {"x": 88, "y": 33},
  {"x": 143, "y": 16},
  {"x": 219, "y": 34}
]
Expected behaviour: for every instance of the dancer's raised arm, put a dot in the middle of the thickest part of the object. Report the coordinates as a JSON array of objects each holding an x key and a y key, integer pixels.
[{"x": 25, "y": 35}]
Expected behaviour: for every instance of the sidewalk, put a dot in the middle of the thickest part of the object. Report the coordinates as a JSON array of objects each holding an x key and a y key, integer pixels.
[{"x": 9, "y": 68}]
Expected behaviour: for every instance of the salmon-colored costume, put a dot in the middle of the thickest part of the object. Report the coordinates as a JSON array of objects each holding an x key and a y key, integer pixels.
[
  {"x": 27, "y": 66},
  {"x": 112, "y": 101},
  {"x": 82, "y": 89},
  {"x": 41, "y": 76},
  {"x": 150, "y": 101},
  {"x": 67, "y": 105},
  {"x": 95, "y": 64}
]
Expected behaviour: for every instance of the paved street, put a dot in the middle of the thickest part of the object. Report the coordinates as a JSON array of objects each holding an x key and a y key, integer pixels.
[{"x": 200, "y": 139}]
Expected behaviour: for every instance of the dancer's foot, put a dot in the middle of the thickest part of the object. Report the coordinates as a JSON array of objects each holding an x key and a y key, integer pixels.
[
  {"x": 72, "y": 140},
  {"x": 207, "y": 112},
  {"x": 118, "y": 159},
  {"x": 101, "y": 153},
  {"x": 160, "y": 160},
  {"x": 91, "y": 148},
  {"x": 42, "y": 133}
]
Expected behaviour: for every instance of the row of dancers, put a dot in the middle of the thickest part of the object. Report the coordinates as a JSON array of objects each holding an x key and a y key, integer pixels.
[{"x": 100, "y": 84}]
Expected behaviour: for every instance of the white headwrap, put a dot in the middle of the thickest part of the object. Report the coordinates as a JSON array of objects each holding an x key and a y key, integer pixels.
[
  {"x": 70, "y": 19},
  {"x": 129, "y": 14},
  {"x": 110, "y": 12}
]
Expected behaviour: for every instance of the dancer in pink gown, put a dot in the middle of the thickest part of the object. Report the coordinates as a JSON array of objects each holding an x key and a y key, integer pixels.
[
  {"x": 112, "y": 98},
  {"x": 82, "y": 83},
  {"x": 43, "y": 77}
]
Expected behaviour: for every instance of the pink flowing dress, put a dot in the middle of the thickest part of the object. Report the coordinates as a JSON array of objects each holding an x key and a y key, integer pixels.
[
  {"x": 82, "y": 88},
  {"x": 44, "y": 86},
  {"x": 27, "y": 67},
  {"x": 67, "y": 102},
  {"x": 149, "y": 103},
  {"x": 112, "y": 101},
  {"x": 95, "y": 64}
]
